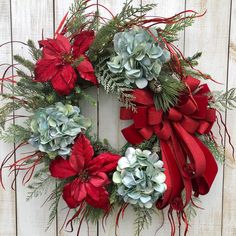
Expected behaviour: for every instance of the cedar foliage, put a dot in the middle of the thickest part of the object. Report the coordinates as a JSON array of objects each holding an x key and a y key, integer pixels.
[{"x": 115, "y": 84}]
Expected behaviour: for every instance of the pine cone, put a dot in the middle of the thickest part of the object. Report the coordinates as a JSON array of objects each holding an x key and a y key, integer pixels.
[{"x": 155, "y": 86}]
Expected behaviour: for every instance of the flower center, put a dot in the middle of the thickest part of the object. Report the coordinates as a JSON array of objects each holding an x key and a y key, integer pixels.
[
  {"x": 68, "y": 58},
  {"x": 83, "y": 176}
]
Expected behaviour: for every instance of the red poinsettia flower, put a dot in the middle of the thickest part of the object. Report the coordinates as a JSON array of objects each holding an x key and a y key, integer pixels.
[
  {"x": 90, "y": 175},
  {"x": 58, "y": 61}
]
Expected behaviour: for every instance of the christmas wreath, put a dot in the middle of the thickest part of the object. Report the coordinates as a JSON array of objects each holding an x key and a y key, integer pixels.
[{"x": 170, "y": 155}]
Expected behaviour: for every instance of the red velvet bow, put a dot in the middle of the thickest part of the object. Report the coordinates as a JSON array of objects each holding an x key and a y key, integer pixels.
[{"x": 188, "y": 162}]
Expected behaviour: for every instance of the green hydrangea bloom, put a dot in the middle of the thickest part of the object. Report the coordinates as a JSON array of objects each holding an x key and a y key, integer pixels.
[
  {"x": 140, "y": 177},
  {"x": 139, "y": 56},
  {"x": 55, "y": 128}
]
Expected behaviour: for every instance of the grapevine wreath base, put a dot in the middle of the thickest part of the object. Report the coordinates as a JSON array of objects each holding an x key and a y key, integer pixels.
[{"x": 170, "y": 156}]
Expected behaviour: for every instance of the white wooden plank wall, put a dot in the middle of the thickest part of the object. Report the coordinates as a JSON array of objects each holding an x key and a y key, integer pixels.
[{"x": 214, "y": 34}]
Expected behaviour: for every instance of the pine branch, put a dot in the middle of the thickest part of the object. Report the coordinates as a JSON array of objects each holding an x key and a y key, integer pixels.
[
  {"x": 22, "y": 74},
  {"x": 31, "y": 95},
  {"x": 128, "y": 17},
  {"x": 223, "y": 100},
  {"x": 130, "y": 14},
  {"x": 191, "y": 61},
  {"x": 15, "y": 134},
  {"x": 53, "y": 209},
  {"x": 93, "y": 214},
  {"x": 35, "y": 52},
  {"x": 55, "y": 198},
  {"x": 87, "y": 97},
  {"x": 171, "y": 89},
  {"x": 24, "y": 62},
  {"x": 170, "y": 33},
  {"x": 6, "y": 110},
  {"x": 78, "y": 17}
]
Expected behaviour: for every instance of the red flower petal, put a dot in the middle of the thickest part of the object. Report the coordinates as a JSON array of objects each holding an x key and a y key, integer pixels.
[
  {"x": 99, "y": 180},
  {"x": 51, "y": 50},
  {"x": 78, "y": 190},
  {"x": 71, "y": 202},
  {"x": 105, "y": 162},
  {"x": 46, "y": 69},
  {"x": 82, "y": 153},
  {"x": 103, "y": 201},
  {"x": 86, "y": 71},
  {"x": 65, "y": 80},
  {"x": 92, "y": 191},
  {"x": 82, "y": 42},
  {"x": 54, "y": 48},
  {"x": 63, "y": 43},
  {"x": 61, "y": 168}
]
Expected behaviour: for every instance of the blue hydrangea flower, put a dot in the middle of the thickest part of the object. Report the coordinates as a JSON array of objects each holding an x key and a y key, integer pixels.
[
  {"x": 138, "y": 55},
  {"x": 140, "y": 177},
  {"x": 55, "y": 127}
]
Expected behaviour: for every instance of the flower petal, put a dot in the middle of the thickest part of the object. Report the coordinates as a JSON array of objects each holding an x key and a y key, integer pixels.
[
  {"x": 63, "y": 43},
  {"x": 78, "y": 190},
  {"x": 82, "y": 153},
  {"x": 65, "y": 80},
  {"x": 105, "y": 162},
  {"x": 46, "y": 69},
  {"x": 99, "y": 180},
  {"x": 86, "y": 71},
  {"x": 71, "y": 202},
  {"x": 61, "y": 168},
  {"x": 50, "y": 49},
  {"x": 82, "y": 42},
  {"x": 92, "y": 191},
  {"x": 103, "y": 201}
]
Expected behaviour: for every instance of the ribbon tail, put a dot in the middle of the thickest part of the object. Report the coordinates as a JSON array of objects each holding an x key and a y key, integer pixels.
[
  {"x": 193, "y": 149},
  {"x": 173, "y": 177},
  {"x": 202, "y": 184}
]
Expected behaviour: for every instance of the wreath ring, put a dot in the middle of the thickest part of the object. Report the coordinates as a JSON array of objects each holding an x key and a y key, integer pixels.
[{"x": 169, "y": 158}]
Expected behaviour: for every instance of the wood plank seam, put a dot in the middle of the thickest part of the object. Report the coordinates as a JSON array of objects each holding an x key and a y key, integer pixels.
[
  {"x": 226, "y": 113},
  {"x": 14, "y": 145}
]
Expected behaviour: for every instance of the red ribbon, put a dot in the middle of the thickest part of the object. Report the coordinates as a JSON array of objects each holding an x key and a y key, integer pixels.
[{"x": 188, "y": 163}]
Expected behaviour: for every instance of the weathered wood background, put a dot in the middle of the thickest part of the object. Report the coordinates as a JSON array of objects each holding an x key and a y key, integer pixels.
[{"x": 214, "y": 34}]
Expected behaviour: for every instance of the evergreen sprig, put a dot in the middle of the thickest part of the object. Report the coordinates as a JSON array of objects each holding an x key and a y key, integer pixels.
[
  {"x": 24, "y": 62},
  {"x": 223, "y": 100},
  {"x": 78, "y": 17},
  {"x": 6, "y": 110},
  {"x": 54, "y": 199},
  {"x": 170, "y": 32},
  {"x": 35, "y": 52},
  {"x": 42, "y": 181},
  {"x": 92, "y": 215},
  {"x": 150, "y": 144},
  {"x": 192, "y": 60},
  {"x": 128, "y": 17},
  {"x": 217, "y": 150},
  {"x": 15, "y": 133},
  {"x": 129, "y": 14},
  {"x": 191, "y": 208},
  {"x": 115, "y": 84},
  {"x": 171, "y": 90},
  {"x": 143, "y": 219}
]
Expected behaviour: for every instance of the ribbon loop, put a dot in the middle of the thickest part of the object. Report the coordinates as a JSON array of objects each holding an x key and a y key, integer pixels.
[
  {"x": 188, "y": 164},
  {"x": 154, "y": 116}
]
